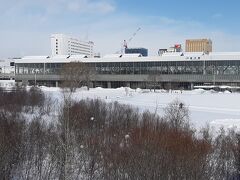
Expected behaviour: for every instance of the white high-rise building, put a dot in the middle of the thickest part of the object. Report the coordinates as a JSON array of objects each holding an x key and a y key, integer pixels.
[{"x": 62, "y": 44}]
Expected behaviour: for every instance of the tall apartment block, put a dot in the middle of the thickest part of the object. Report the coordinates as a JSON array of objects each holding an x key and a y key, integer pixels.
[
  {"x": 198, "y": 45},
  {"x": 62, "y": 44}
]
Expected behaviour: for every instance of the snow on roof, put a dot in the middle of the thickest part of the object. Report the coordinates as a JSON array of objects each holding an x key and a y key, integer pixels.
[
  {"x": 35, "y": 57},
  {"x": 193, "y": 54},
  {"x": 132, "y": 55},
  {"x": 112, "y": 56},
  {"x": 131, "y": 58},
  {"x": 172, "y": 54},
  {"x": 60, "y": 57},
  {"x": 78, "y": 56}
]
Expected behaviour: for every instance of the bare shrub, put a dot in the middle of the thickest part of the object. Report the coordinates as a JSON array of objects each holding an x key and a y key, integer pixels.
[
  {"x": 75, "y": 75},
  {"x": 96, "y": 140},
  {"x": 11, "y": 133},
  {"x": 177, "y": 114},
  {"x": 35, "y": 98}
]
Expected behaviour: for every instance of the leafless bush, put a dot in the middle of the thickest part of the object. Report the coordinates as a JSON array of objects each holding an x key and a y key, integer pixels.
[
  {"x": 96, "y": 140},
  {"x": 11, "y": 133},
  {"x": 36, "y": 98},
  {"x": 177, "y": 114}
]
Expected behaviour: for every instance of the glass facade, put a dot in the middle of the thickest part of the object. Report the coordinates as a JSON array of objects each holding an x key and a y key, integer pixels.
[
  {"x": 231, "y": 67},
  {"x": 142, "y": 51},
  {"x": 38, "y": 68}
]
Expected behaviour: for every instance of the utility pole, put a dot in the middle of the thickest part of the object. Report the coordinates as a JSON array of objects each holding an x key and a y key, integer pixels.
[
  {"x": 35, "y": 79},
  {"x": 214, "y": 76}
]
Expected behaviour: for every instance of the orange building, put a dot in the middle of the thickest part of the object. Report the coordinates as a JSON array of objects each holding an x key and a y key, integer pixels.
[{"x": 198, "y": 45}]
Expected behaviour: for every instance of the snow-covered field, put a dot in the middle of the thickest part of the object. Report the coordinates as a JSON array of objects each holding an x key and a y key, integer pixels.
[{"x": 206, "y": 107}]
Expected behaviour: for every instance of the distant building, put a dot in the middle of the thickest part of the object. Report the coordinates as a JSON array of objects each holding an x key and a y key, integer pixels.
[
  {"x": 172, "y": 49},
  {"x": 162, "y": 51},
  {"x": 62, "y": 44},
  {"x": 175, "y": 48},
  {"x": 97, "y": 55},
  {"x": 142, "y": 51},
  {"x": 198, "y": 45},
  {"x": 7, "y": 69}
]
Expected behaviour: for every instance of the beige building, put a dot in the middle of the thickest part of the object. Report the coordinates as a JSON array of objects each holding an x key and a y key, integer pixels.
[{"x": 198, "y": 45}]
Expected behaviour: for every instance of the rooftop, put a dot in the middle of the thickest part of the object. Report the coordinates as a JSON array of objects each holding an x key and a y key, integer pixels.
[{"x": 182, "y": 56}]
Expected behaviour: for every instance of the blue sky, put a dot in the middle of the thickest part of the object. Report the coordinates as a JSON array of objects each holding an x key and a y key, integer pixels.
[{"x": 26, "y": 25}]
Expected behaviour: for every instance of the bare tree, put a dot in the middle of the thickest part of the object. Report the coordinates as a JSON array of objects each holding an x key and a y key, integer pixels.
[
  {"x": 152, "y": 81},
  {"x": 76, "y": 74},
  {"x": 177, "y": 114}
]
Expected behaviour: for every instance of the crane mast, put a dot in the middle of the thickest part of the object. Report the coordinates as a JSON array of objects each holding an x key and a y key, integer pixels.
[{"x": 125, "y": 43}]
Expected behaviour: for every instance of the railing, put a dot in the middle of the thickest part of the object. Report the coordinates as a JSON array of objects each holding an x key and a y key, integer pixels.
[
  {"x": 7, "y": 76},
  {"x": 142, "y": 78}
]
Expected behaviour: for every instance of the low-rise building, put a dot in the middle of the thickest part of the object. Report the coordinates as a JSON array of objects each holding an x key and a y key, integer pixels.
[{"x": 173, "y": 70}]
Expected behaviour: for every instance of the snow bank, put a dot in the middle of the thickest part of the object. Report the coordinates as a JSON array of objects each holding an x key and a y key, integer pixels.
[
  {"x": 226, "y": 124},
  {"x": 206, "y": 107},
  {"x": 7, "y": 83}
]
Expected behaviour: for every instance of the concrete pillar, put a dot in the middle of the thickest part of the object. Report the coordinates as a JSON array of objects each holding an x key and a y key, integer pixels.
[
  {"x": 108, "y": 84},
  {"x": 56, "y": 83},
  {"x": 192, "y": 86},
  {"x": 90, "y": 84},
  {"x": 128, "y": 84}
]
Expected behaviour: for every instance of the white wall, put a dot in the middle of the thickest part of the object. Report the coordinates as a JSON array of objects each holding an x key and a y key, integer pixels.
[{"x": 70, "y": 46}]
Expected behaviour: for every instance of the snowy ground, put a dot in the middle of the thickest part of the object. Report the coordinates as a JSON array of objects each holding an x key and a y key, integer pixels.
[
  {"x": 7, "y": 84},
  {"x": 206, "y": 107}
]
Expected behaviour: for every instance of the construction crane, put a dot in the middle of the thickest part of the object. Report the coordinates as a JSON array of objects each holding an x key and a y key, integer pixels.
[{"x": 125, "y": 43}]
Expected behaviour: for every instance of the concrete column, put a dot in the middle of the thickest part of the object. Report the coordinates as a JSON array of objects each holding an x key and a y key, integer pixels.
[
  {"x": 128, "y": 84},
  {"x": 90, "y": 84},
  {"x": 56, "y": 83},
  {"x": 192, "y": 86},
  {"x": 108, "y": 84}
]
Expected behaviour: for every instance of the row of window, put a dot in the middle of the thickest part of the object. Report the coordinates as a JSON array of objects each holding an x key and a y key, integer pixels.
[{"x": 226, "y": 67}]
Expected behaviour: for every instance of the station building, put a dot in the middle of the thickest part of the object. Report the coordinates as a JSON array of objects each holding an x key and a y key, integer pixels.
[{"x": 170, "y": 71}]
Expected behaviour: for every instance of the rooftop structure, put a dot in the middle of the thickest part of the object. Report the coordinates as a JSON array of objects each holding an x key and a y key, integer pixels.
[
  {"x": 142, "y": 51},
  {"x": 176, "y": 48}
]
